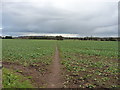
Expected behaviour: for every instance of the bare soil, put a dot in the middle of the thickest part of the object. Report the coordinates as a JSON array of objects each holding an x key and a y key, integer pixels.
[
  {"x": 37, "y": 78},
  {"x": 40, "y": 75},
  {"x": 74, "y": 80},
  {"x": 55, "y": 79},
  {"x": 43, "y": 76}
]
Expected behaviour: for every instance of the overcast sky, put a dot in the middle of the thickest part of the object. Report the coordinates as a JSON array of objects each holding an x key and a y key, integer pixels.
[{"x": 59, "y": 17}]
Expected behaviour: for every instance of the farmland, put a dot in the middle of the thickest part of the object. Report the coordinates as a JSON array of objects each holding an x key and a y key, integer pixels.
[
  {"x": 84, "y": 64},
  {"x": 35, "y": 55},
  {"x": 90, "y": 64},
  {"x": 23, "y": 50}
]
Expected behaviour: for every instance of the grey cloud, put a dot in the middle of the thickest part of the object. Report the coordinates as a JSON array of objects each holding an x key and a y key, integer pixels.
[{"x": 87, "y": 19}]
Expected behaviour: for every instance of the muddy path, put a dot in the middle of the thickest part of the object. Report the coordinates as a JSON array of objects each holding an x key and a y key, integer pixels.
[{"x": 55, "y": 79}]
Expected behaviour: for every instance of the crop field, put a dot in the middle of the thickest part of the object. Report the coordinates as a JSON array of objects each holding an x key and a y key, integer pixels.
[
  {"x": 28, "y": 51},
  {"x": 33, "y": 54},
  {"x": 80, "y": 64},
  {"x": 90, "y": 64}
]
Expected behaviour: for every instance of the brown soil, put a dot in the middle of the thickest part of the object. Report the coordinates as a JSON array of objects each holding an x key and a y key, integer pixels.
[
  {"x": 74, "y": 80},
  {"x": 37, "y": 78},
  {"x": 40, "y": 75},
  {"x": 55, "y": 77}
]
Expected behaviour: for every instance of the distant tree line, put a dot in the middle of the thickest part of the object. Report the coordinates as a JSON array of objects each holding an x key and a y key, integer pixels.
[
  {"x": 41, "y": 37},
  {"x": 97, "y": 38},
  {"x": 35, "y": 37},
  {"x": 62, "y": 38},
  {"x": 7, "y": 37}
]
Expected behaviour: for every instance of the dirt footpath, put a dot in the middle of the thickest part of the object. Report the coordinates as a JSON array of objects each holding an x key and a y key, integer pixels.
[{"x": 55, "y": 79}]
